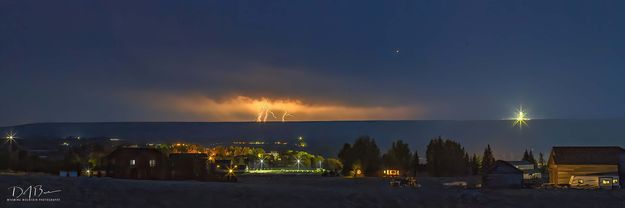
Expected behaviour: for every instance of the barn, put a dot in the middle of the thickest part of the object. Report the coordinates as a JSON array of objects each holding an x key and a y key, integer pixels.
[
  {"x": 503, "y": 175},
  {"x": 586, "y": 166},
  {"x": 136, "y": 163}
]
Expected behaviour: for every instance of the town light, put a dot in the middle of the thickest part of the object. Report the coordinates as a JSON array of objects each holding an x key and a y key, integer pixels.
[
  {"x": 298, "y": 163},
  {"x": 10, "y": 137}
]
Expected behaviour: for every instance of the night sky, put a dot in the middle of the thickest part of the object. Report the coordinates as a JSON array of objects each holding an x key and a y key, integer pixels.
[{"x": 229, "y": 60}]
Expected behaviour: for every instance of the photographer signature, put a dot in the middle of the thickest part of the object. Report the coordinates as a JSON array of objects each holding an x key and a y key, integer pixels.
[{"x": 30, "y": 191}]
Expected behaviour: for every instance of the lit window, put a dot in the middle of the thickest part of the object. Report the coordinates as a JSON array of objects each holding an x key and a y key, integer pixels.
[
  {"x": 615, "y": 180},
  {"x": 152, "y": 163},
  {"x": 605, "y": 181},
  {"x": 132, "y": 162},
  {"x": 580, "y": 181}
]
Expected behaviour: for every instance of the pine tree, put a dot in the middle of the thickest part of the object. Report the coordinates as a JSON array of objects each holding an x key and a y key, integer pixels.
[
  {"x": 398, "y": 157},
  {"x": 531, "y": 158},
  {"x": 541, "y": 162},
  {"x": 364, "y": 154},
  {"x": 414, "y": 164},
  {"x": 446, "y": 158},
  {"x": 467, "y": 163},
  {"x": 346, "y": 156},
  {"x": 488, "y": 160},
  {"x": 475, "y": 165},
  {"x": 526, "y": 156}
]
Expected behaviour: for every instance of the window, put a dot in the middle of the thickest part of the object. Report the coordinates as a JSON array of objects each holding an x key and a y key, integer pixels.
[
  {"x": 615, "y": 181},
  {"x": 132, "y": 162},
  {"x": 152, "y": 163},
  {"x": 605, "y": 181}
]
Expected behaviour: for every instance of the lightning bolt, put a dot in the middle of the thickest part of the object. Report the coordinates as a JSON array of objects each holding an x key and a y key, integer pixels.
[
  {"x": 259, "y": 118},
  {"x": 284, "y": 115},
  {"x": 265, "y": 111}
]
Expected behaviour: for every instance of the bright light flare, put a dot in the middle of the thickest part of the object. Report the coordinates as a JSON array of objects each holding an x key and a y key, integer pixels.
[
  {"x": 10, "y": 137},
  {"x": 520, "y": 118}
]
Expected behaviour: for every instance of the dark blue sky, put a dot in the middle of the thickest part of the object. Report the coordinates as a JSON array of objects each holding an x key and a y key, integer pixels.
[{"x": 163, "y": 60}]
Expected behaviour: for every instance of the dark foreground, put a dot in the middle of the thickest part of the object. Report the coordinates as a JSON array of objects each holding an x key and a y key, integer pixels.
[{"x": 291, "y": 191}]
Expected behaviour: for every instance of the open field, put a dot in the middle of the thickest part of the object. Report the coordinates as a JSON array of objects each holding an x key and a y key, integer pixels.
[{"x": 293, "y": 191}]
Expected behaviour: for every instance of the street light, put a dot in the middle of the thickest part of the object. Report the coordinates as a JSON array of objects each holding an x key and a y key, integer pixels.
[
  {"x": 10, "y": 138},
  {"x": 298, "y": 163},
  {"x": 261, "y": 163}
]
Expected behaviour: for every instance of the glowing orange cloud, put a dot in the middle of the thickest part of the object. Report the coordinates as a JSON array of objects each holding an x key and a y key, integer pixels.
[{"x": 242, "y": 108}]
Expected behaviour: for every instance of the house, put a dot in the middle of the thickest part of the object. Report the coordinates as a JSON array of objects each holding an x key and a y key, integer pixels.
[
  {"x": 188, "y": 166},
  {"x": 598, "y": 167},
  {"x": 528, "y": 168},
  {"x": 503, "y": 175},
  {"x": 136, "y": 163},
  {"x": 225, "y": 166}
]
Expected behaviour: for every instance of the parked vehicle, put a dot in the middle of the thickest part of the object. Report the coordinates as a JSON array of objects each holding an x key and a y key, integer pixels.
[{"x": 404, "y": 182}]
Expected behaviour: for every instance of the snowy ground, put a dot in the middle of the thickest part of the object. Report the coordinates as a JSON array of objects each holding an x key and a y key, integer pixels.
[{"x": 292, "y": 191}]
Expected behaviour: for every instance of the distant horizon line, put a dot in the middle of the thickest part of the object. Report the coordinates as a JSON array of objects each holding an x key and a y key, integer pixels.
[{"x": 310, "y": 121}]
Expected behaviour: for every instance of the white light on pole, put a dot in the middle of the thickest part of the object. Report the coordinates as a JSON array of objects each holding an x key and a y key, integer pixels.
[
  {"x": 298, "y": 163},
  {"x": 261, "y": 163}
]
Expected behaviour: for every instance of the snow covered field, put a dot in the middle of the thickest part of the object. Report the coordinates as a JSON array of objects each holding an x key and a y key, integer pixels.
[{"x": 292, "y": 191}]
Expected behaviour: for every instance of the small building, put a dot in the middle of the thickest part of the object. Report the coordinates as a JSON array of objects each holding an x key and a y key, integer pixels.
[
  {"x": 136, "y": 163},
  {"x": 188, "y": 166},
  {"x": 528, "y": 168},
  {"x": 503, "y": 175},
  {"x": 224, "y": 166},
  {"x": 598, "y": 167}
]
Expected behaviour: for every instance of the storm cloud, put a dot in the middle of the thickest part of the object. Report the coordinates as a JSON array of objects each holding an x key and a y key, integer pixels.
[{"x": 142, "y": 60}]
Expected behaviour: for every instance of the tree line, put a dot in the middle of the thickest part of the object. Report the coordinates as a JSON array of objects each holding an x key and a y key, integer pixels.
[{"x": 443, "y": 157}]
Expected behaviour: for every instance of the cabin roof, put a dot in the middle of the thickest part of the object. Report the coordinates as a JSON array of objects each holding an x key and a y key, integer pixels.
[
  {"x": 187, "y": 155},
  {"x": 608, "y": 155},
  {"x": 134, "y": 151},
  {"x": 520, "y": 162},
  {"x": 503, "y": 167}
]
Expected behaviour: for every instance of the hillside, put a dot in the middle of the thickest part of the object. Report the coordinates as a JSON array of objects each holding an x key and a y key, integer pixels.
[{"x": 326, "y": 137}]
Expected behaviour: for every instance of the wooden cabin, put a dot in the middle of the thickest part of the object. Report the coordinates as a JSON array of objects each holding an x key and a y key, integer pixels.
[
  {"x": 586, "y": 166},
  {"x": 529, "y": 169},
  {"x": 503, "y": 175},
  {"x": 188, "y": 166},
  {"x": 136, "y": 163}
]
